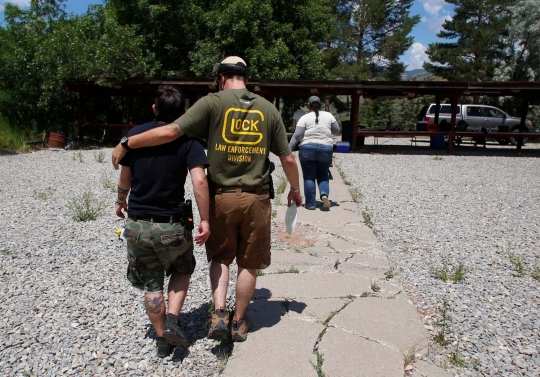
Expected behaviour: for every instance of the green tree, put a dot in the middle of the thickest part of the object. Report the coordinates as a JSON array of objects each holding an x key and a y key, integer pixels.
[
  {"x": 368, "y": 39},
  {"x": 43, "y": 47},
  {"x": 475, "y": 44},
  {"x": 522, "y": 60},
  {"x": 278, "y": 38}
]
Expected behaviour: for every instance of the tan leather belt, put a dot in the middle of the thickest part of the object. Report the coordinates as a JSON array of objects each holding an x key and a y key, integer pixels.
[{"x": 239, "y": 189}]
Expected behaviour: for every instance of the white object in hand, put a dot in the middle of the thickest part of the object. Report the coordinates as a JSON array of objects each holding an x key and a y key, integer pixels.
[{"x": 290, "y": 218}]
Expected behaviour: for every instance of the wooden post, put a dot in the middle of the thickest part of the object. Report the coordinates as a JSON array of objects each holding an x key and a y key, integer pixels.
[
  {"x": 453, "y": 104},
  {"x": 354, "y": 117},
  {"x": 80, "y": 116},
  {"x": 522, "y": 128},
  {"x": 437, "y": 108}
]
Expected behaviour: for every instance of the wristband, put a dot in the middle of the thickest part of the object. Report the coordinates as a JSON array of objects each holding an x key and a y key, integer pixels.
[{"x": 295, "y": 190}]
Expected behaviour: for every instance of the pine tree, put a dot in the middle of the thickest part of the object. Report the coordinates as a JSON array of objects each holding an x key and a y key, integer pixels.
[
  {"x": 475, "y": 44},
  {"x": 368, "y": 38}
]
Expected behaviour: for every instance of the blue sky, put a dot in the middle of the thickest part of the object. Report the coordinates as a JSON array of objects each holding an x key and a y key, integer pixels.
[{"x": 432, "y": 14}]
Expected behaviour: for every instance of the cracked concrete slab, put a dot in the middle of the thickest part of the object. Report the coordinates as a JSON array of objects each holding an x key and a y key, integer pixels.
[
  {"x": 284, "y": 349},
  {"x": 345, "y": 354},
  {"x": 373, "y": 261},
  {"x": 314, "y": 285},
  {"x": 285, "y": 260},
  {"x": 423, "y": 369},
  {"x": 392, "y": 322},
  {"x": 366, "y": 336}
]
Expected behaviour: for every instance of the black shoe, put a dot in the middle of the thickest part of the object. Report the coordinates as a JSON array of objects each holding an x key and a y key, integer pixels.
[
  {"x": 164, "y": 349},
  {"x": 172, "y": 332}
]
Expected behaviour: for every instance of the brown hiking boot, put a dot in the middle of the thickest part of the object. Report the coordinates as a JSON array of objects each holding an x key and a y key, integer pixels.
[
  {"x": 326, "y": 202},
  {"x": 219, "y": 328},
  {"x": 239, "y": 329}
]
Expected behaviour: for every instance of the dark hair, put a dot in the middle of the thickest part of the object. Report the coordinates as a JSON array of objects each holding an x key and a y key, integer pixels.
[
  {"x": 316, "y": 106},
  {"x": 169, "y": 104}
]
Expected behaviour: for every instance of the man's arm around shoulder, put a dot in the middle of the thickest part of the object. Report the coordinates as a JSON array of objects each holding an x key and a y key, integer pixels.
[{"x": 150, "y": 138}]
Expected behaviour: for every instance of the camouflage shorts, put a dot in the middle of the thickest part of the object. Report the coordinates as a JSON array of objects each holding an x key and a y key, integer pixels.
[{"x": 155, "y": 249}]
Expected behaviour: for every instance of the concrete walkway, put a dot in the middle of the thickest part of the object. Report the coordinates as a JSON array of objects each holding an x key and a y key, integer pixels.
[{"x": 327, "y": 306}]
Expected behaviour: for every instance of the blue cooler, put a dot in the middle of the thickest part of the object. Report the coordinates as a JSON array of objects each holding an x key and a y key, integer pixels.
[
  {"x": 343, "y": 147},
  {"x": 437, "y": 142}
]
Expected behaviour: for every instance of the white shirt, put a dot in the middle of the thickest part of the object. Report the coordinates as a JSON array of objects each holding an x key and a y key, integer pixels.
[{"x": 320, "y": 133}]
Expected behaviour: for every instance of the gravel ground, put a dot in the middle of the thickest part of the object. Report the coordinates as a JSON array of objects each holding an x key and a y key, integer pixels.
[
  {"x": 67, "y": 308},
  {"x": 434, "y": 214}
]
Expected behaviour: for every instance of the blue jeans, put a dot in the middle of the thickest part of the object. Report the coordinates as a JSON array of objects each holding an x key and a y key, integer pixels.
[{"x": 315, "y": 160}]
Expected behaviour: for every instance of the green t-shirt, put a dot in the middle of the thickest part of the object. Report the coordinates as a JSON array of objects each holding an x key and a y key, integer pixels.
[{"x": 241, "y": 129}]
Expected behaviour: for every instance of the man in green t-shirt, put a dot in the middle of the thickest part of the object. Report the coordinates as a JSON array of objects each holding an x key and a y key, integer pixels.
[{"x": 241, "y": 128}]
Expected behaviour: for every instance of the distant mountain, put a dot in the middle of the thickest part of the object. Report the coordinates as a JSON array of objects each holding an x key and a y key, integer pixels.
[{"x": 418, "y": 74}]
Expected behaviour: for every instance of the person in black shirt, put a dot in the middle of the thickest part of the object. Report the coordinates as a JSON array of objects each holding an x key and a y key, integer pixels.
[{"x": 158, "y": 231}]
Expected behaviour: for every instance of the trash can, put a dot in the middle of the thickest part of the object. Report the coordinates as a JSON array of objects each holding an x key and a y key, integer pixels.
[{"x": 436, "y": 142}]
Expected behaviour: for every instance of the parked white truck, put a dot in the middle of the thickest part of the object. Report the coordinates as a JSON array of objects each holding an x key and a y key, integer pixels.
[{"x": 475, "y": 118}]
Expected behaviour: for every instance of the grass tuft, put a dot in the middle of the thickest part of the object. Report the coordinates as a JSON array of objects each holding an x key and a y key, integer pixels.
[
  {"x": 85, "y": 207},
  {"x": 292, "y": 270},
  {"x": 100, "y": 156}
]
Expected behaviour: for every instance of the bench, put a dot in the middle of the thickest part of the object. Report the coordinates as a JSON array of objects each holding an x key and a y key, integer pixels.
[{"x": 460, "y": 134}]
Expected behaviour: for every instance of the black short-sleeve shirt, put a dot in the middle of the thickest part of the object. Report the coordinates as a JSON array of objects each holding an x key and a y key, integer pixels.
[{"x": 158, "y": 174}]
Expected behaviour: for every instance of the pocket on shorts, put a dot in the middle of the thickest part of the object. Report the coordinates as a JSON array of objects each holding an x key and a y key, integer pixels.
[
  {"x": 173, "y": 240},
  {"x": 133, "y": 274},
  {"x": 131, "y": 235}
]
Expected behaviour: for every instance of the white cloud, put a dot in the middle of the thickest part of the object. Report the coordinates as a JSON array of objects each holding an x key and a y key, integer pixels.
[
  {"x": 436, "y": 15},
  {"x": 1, "y": 8},
  {"x": 416, "y": 56},
  {"x": 433, "y": 7}
]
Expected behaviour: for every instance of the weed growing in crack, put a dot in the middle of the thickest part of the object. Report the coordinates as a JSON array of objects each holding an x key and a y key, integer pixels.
[
  {"x": 287, "y": 304},
  {"x": 389, "y": 274},
  {"x": 336, "y": 264},
  {"x": 444, "y": 324},
  {"x": 368, "y": 294},
  {"x": 375, "y": 287},
  {"x": 259, "y": 272},
  {"x": 409, "y": 356},
  {"x": 5, "y": 252},
  {"x": 367, "y": 219},
  {"x": 292, "y": 270}
]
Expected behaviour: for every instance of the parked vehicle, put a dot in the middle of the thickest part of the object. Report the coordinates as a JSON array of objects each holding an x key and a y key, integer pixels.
[{"x": 475, "y": 118}]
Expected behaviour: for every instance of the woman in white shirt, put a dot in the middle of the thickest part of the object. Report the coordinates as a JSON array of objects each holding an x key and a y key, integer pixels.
[{"x": 314, "y": 132}]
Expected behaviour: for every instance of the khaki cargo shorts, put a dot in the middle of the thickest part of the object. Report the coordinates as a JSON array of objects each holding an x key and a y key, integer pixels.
[
  {"x": 240, "y": 228},
  {"x": 154, "y": 249}
]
